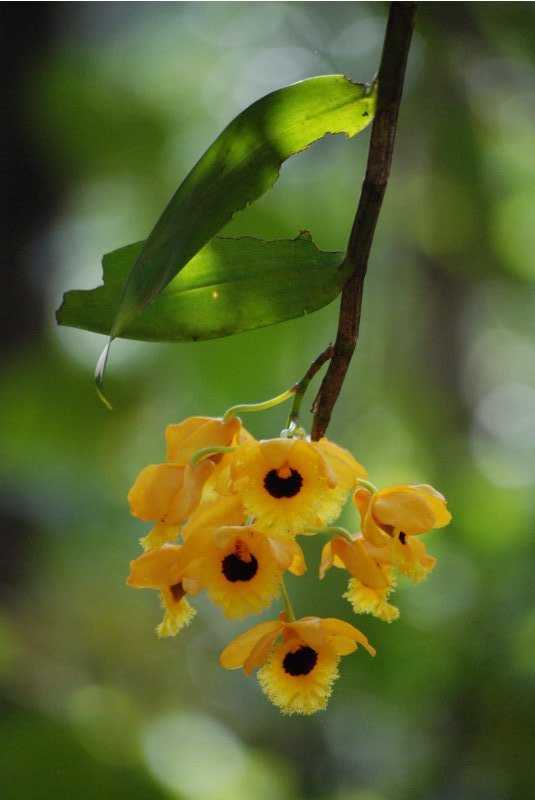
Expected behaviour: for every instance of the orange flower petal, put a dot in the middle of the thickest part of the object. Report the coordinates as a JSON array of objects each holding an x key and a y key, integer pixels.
[
  {"x": 238, "y": 651},
  {"x": 342, "y": 645},
  {"x": 405, "y": 510},
  {"x": 260, "y": 652},
  {"x": 154, "y": 490},
  {"x": 437, "y": 501},
  {"x": 213, "y": 513},
  {"x": 298, "y": 565},
  {"x": 411, "y": 558},
  {"x": 275, "y": 451},
  {"x": 327, "y": 559},
  {"x": 193, "y": 434},
  {"x": 362, "y": 499},
  {"x": 225, "y": 535},
  {"x": 168, "y": 492},
  {"x": 337, "y": 627},
  {"x": 189, "y": 498},
  {"x": 308, "y": 630},
  {"x": 359, "y": 563},
  {"x": 345, "y": 467},
  {"x": 160, "y": 534},
  {"x": 156, "y": 569},
  {"x": 284, "y": 551}
]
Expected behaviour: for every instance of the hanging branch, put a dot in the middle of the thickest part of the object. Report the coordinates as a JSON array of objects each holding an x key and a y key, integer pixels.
[{"x": 390, "y": 86}]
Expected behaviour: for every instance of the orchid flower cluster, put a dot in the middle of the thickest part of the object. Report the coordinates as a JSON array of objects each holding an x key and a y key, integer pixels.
[{"x": 226, "y": 512}]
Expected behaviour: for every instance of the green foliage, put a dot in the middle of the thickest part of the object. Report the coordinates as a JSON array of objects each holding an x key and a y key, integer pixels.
[
  {"x": 57, "y": 765},
  {"x": 241, "y": 165},
  {"x": 231, "y": 285}
]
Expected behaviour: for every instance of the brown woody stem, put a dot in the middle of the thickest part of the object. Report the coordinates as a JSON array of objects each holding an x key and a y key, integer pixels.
[{"x": 390, "y": 87}]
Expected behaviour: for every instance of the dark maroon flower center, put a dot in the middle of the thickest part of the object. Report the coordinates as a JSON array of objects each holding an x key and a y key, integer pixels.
[
  {"x": 300, "y": 662},
  {"x": 177, "y": 591},
  {"x": 283, "y": 482},
  {"x": 234, "y": 569}
]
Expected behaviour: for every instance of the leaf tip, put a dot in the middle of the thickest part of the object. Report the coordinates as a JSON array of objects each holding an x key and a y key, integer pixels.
[
  {"x": 57, "y": 313},
  {"x": 99, "y": 375}
]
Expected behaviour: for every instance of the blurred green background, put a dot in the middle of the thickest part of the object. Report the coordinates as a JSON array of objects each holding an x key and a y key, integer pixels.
[{"x": 107, "y": 106}]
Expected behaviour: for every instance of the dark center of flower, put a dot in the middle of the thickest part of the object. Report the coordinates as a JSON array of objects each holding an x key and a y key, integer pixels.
[
  {"x": 285, "y": 482},
  {"x": 300, "y": 662},
  {"x": 402, "y": 537},
  {"x": 177, "y": 590},
  {"x": 234, "y": 569}
]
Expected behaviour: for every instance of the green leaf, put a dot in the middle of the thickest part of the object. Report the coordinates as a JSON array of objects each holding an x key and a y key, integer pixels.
[
  {"x": 241, "y": 165},
  {"x": 231, "y": 285}
]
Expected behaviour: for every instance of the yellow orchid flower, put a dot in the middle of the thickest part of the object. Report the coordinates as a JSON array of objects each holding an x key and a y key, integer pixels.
[
  {"x": 168, "y": 493},
  {"x": 162, "y": 569},
  {"x": 298, "y": 672},
  {"x": 402, "y": 510},
  {"x": 241, "y": 567},
  {"x": 288, "y": 485},
  {"x": 371, "y": 582}
]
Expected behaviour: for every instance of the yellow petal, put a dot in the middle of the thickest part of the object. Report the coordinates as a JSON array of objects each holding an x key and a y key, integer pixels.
[
  {"x": 260, "y": 652},
  {"x": 156, "y": 569},
  {"x": 437, "y": 502},
  {"x": 275, "y": 451},
  {"x": 411, "y": 558},
  {"x": 222, "y": 480},
  {"x": 362, "y": 499},
  {"x": 412, "y": 509},
  {"x": 193, "y": 572},
  {"x": 342, "y": 645},
  {"x": 406, "y": 510},
  {"x": 214, "y": 513},
  {"x": 168, "y": 492},
  {"x": 298, "y": 565},
  {"x": 337, "y": 627},
  {"x": 192, "y": 585},
  {"x": 359, "y": 563},
  {"x": 312, "y": 453},
  {"x": 373, "y": 601},
  {"x": 308, "y": 630},
  {"x": 160, "y": 534},
  {"x": 327, "y": 559},
  {"x": 194, "y": 434},
  {"x": 345, "y": 467},
  {"x": 154, "y": 489},
  {"x": 420, "y": 564},
  {"x": 185, "y": 501},
  {"x": 178, "y": 614},
  {"x": 226, "y": 535},
  {"x": 284, "y": 551},
  {"x": 237, "y": 652}
]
